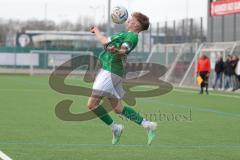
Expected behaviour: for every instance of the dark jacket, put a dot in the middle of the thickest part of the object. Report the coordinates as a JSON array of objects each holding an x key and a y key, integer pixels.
[
  {"x": 234, "y": 65},
  {"x": 219, "y": 66},
  {"x": 228, "y": 69}
]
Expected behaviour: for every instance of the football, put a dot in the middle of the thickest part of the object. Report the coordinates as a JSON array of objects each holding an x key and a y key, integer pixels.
[{"x": 119, "y": 14}]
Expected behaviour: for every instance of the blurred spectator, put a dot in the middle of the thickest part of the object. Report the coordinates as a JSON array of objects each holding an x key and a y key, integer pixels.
[
  {"x": 219, "y": 68},
  {"x": 237, "y": 71},
  {"x": 234, "y": 62},
  {"x": 203, "y": 70},
  {"x": 228, "y": 72}
]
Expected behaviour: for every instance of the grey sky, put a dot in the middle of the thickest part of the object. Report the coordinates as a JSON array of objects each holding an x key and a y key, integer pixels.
[{"x": 59, "y": 10}]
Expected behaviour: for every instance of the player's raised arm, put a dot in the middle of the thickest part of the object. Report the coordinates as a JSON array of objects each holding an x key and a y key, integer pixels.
[{"x": 101, "y": 38}]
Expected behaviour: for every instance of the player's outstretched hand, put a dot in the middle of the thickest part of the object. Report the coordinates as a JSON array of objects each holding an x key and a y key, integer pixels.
[{"x": 94, "y": 29}]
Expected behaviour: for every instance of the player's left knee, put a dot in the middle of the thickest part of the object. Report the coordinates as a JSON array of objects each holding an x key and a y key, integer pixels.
[
  {"x": 116, "y": 105},
  {"x": 118, "y": 109},
  {"x": 92, "y": 105}
]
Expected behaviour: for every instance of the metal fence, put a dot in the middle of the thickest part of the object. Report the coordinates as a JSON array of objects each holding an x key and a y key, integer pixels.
[{"x": 192, "y": 30}]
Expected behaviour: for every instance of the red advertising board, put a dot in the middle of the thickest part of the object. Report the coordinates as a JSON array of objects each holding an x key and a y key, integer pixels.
[{"x": 225, "y": 7}]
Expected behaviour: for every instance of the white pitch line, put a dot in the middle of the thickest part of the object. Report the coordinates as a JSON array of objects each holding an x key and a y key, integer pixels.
[
  {"x": 213, "y": 94},
  {"x": 3, "y": 156}
]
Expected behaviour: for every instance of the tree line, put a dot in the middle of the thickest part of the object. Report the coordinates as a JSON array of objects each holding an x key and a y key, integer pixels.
[{"x": 9, "y": 28}]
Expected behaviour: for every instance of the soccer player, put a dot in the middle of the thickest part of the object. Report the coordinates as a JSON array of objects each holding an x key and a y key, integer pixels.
[{"x": 109, "y": 78}]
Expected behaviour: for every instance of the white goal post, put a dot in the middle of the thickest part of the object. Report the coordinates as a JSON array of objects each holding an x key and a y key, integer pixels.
[
  {"x": 175, "y": 57},
  {"x": 212, "y": 50},
  {"x": 181, "y": 59}
]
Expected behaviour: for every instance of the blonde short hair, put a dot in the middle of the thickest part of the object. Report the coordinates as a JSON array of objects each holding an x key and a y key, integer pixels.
[{"x": 142, "y": 19}]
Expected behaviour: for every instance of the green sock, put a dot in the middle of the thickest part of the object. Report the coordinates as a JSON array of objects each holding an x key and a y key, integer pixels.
[
  {"x": 132, "y": 115},
  {"x": 103, "y": 115}
]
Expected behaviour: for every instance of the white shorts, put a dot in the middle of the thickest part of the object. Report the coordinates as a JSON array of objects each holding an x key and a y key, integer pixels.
[{"x": 108, "y": 85}]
